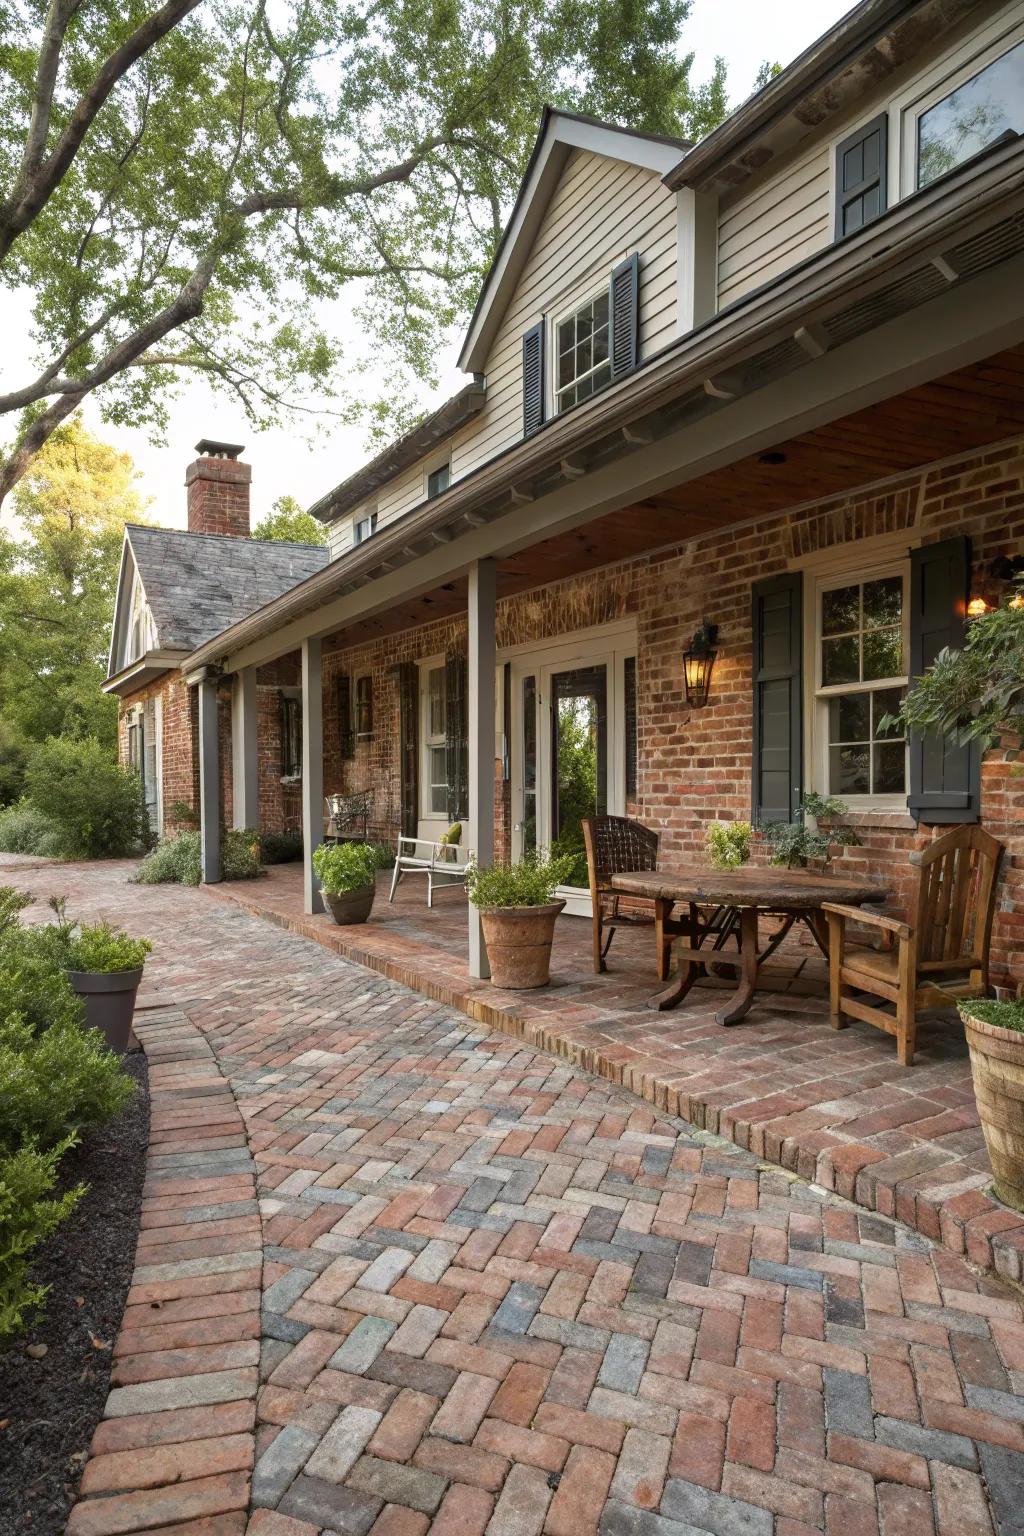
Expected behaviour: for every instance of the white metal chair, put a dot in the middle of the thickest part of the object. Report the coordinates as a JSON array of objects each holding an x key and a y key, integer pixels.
[{"x": 442, "y": 863}]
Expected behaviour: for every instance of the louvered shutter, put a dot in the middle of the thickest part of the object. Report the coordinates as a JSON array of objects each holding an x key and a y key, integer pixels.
[
  {"x": 631, "y": 729},
  {"x": 408, "y": 715},
  {"x": 456, "y": 736},
  {"x": 533, "y": 379},
  {"x": 945, "y": 779},
  {"x": 346, "y": 733},
  {"x": 623, "y": 308},
  {"x": 861, "y": 176},
  {"x": 777, "y": 765}
]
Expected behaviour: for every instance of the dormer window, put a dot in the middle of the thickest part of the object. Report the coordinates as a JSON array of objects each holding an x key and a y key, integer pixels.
[
  {"x": 364, "y": 527},
  {"x": 439, "y": 480},
  {"x": 984, "y": 109},
  {"x": 582, "y": 353},
  {"x": 591, "y": 345}
]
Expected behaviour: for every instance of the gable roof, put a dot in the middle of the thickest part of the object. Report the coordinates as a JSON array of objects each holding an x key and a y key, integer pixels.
[
  {"x": 196, "y": 584},
  {"x": 560, "y": 133}
]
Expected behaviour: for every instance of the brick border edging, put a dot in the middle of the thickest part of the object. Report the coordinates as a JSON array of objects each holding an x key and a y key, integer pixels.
[
  {"x": 176, "y": 1443},
  {"x": 971, "y": 1224}
]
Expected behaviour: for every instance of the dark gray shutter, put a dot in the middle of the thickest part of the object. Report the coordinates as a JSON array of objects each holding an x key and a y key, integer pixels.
[
  {"x": 777, "y": 766},
  {"x": 861, "y": 176},
  {"x": 408, "y": 715},
  {"x": 346, "y": 733},
  {"x": 623, "y": 309},
  {"x": 456, "y": 736},
  {"x": 945, "y": 779},
  {"x": 282, "y": 727},
  {"x": 631, "y": 730},
  {"x": 533, "y": 379}
]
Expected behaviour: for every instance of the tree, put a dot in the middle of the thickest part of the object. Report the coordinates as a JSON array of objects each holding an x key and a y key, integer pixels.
[
  {"x": 180, "y": 187},
  {"x": 288, "y": 524},
  {"x": 57, "y": 586}
]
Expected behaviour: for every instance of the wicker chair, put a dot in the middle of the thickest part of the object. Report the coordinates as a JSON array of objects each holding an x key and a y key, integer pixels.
[{"x": 615, "y": 844}]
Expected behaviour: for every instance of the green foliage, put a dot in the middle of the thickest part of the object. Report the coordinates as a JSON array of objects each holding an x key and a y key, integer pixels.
[
  {"x": 101, "y": 949},
  {"x": 58, "y": 574},
  {"x": 281, "y": 847},
  {"x": 180, "y": 811},
  {"x": 29, "y": 1214},
  {"x": 977, "y": 693},
  {"x": 1002, "y": 1015},
  {"x": 577, "y": 781},
  {"x": 178, "y": 859},
  {"x": 531, "y": 883},
  {"x": 23, "y": 829},
  {"x": 11, "y": 903},
  {"x": 13, "y": 758},
  {"x": 795, "y": 844},
  {"x": 95, "y": 803},
  {"x": 54, "y": 1082},
  {"x": 257, "y": 160},
  {"x": 33, "y": 980},
  {"x": 289, "y": 524},
  {"x": 342, "y": 867},
  {"x": 728, "y": 843}
]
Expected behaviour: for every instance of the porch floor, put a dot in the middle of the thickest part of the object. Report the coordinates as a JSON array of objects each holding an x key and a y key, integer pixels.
[{"x": 836, "y": 1108}]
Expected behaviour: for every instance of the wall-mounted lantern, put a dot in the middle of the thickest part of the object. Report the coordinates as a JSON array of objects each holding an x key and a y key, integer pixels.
[
  {"x": 698, "y": 664},
  {"x": 977, "y": 608}
]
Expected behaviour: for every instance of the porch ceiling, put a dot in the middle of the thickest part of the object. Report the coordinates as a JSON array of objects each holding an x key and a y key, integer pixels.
[{"x": 957, "y": 413}]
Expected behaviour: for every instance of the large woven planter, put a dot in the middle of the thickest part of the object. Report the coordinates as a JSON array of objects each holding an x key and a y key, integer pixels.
[
  {"x": 351, "y": 906},
  {"x": 997, "y": 1065},
  {"x": 518, "y": 943},
  {"x": 109, "y": 998}
]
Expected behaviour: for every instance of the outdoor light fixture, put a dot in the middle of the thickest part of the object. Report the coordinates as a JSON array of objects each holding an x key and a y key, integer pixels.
[
  {"x": 977, "y": 608},
  {"x": 698, "y": 664},
  {"x": 1017, "y": 601}
]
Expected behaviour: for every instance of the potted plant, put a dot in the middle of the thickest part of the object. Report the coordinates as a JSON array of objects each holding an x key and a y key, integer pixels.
[
  {"x": 995, "y": 1039},
  {"x": 796, "y": 845},
  {"x": 517, "y": 909},
  {"x": 104, "y": 966},
  {"x": 347, "y": 873},
  {"x": 728, "y": 843}
]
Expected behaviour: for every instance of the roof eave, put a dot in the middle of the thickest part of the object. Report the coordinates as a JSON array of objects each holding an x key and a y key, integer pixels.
[{"x": 143, "y": 671}]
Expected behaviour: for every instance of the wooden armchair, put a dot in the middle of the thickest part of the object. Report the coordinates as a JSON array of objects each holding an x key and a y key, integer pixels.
[
  {"x": 940, "y": 955},
  {"x": 615, "y": 844}
]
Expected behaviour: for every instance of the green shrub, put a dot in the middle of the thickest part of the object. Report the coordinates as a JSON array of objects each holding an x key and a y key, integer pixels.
[
  {"x": 103, "y": 949},
  {"x": 178, "y": 859},
  {"x": 1002, "y": 1015},
  {"x": 33, "y": 980},
  {"x": 11, "y": 903},
  {"x": 55, "y": 1082},
  {"x": 13, "y": 757},
  {"x": 24, "y": 829},
  {"x": 94, "y": 802},
  {"x": 342, "y": 867},
  {"x": 529, "y": 884},
  {"x": 728, "y": 843},
  {"x": 281, "y": 847},
  {"x": 29, "y": 1213},
  {"x": 794, "y": 844}
]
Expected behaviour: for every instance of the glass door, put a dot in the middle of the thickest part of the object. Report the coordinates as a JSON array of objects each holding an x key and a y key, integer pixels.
[{"x": 579, "y": 760}]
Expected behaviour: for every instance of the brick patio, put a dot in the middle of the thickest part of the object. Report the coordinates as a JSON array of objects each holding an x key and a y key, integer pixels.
[
  {"x": 501, "y": 1296},
  {"x": 835, "y": 1107}
]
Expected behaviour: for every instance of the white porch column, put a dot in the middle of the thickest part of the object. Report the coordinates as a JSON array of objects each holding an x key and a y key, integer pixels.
[
  {"x": 312, "y": 772},
  {"x": 209, "y": 780},
  {"x": 482, "y": 587},
  {"x": 244, "y": 759}
]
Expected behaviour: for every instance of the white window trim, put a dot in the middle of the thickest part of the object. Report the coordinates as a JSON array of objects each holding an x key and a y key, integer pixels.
[
  {"x": 431, "y": 822},
  {"x": 364, "y": 515},
  {"x": 557, "y": 317},
  {"x": 853, "y": 567},
  {"x": 431, "y": 466}
]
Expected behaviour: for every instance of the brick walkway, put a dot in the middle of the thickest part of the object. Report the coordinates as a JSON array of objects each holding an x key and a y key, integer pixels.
[{"x": 502, "y": 1296}]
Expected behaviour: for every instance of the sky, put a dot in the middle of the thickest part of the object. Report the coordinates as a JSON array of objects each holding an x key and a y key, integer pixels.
[{"x": 744, "y": 32}]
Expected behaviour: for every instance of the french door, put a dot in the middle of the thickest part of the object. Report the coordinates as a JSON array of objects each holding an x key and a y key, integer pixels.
[{"x": 569, "y": 745}]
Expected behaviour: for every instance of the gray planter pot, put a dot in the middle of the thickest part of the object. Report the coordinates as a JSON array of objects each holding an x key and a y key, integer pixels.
[
  {"x": 109, "y": 998},
  {"x": 350, "y": 906}
]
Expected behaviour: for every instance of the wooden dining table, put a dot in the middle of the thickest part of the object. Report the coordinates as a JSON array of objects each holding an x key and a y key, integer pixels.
[{"x": 727, "y": 904}]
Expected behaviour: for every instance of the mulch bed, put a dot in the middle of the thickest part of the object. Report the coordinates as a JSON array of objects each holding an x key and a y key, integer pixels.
[{"x": 50, "y": 1407}]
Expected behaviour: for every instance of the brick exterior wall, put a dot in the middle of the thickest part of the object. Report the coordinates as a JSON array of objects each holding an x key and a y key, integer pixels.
[
  {"x": 218, "y": 496},
  {"x": 694, "y": 765}
]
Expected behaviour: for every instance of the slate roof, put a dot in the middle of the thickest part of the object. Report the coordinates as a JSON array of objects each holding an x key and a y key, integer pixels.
[{"x": 197, "y": 584}]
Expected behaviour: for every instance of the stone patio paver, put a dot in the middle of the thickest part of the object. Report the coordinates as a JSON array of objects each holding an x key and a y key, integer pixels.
[{"x": 641, "y": 1330}]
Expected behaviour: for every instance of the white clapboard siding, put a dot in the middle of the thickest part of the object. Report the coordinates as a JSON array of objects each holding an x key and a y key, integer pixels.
[{"x": 775, "y": 226}]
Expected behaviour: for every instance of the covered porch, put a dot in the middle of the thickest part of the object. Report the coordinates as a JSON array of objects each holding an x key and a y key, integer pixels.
[{"x": 835, "y": 1108}]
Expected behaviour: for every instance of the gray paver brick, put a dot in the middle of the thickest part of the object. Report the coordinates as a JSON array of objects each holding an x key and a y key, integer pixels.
[
  {"x": 399, "y": 1485},
  {"x": 623, "y": 1365},
  {"x": 280, "y": 1464},
  {"x": 343, "y": 1444},
  {"x": 714, "y": 1512},
  {"x": 937, "y": 1444},
  {"x": 518, "y": 1308},
  {"x": 363, "y": 1345},
  {"x": 848, "y": 1404}
]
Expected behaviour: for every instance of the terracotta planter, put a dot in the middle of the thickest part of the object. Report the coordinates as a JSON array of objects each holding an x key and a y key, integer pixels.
[
  {"x": 518, "y": 943},
  {"x": 109, "y": 998},
  {"x": 997, "y": 1065},
  {"x": 351, "y": 906}
]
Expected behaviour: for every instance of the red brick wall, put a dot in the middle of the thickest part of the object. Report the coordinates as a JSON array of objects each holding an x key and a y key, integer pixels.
[
  {"x": 179, "y": 735},
  {"x": 218, "y": 496}
]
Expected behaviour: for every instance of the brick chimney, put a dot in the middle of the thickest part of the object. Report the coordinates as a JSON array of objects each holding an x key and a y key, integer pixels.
[{"x": 218, "y": 490}]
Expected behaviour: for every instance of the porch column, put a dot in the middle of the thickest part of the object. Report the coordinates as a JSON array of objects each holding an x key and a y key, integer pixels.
[
  {"x": 209, "y": 780},
  {"x": 244, "y": 759},
  {"x": 482, "y": 589},
  {"x": 312, "y": 772}
]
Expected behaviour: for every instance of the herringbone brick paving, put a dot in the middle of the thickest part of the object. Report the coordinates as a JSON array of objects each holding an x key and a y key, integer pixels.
[{"x": 503, "y": 1297}]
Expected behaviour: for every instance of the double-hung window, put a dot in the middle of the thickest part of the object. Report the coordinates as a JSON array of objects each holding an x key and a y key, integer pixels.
[
  {"x": 435, "y": 760},
  {"x": 861, "y": 647},
  {"x": 364, "y": 527},
  {"x": 438, "y": 480},
  {"x": 582, "y": 357}
]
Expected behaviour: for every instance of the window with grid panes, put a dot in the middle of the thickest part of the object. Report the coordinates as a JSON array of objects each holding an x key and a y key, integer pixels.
[
  {"x": 862, "y": 676},
  {"x": 435, "y": 745},
  {"x": 582, "y": 358}
]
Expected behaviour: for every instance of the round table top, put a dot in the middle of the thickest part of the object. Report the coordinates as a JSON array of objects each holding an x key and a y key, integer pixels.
[{"x": 777, "y": 890}]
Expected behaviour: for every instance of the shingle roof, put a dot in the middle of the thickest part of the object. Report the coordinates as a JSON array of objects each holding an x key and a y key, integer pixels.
[{"x": 197, "y": 584}]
